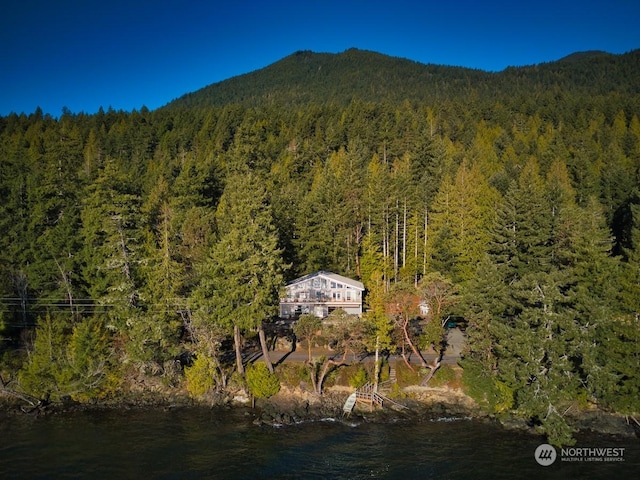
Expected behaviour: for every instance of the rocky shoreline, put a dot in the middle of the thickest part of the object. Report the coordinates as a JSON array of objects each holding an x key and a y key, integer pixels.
[
  {"x": 424, "y": 404},
  {"x": 293, "y": 406}
]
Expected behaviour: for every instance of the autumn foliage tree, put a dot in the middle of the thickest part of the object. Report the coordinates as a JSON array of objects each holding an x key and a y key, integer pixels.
[{"x": 403, "y": 307}]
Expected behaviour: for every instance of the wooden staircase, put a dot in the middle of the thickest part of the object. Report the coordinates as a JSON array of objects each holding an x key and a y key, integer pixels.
[
  {"x": 369, "y": 395},
  {"x": 386, "y": 385},
  {"x": 366, "y": 394},
  {"x": 392, "y": 374}
]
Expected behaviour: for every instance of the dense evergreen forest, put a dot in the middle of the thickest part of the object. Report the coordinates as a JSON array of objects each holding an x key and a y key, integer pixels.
[{"x": 508, "y": 200}]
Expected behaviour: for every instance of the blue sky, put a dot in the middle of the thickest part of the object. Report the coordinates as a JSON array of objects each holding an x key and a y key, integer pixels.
[{"x": 125, "y": 54}]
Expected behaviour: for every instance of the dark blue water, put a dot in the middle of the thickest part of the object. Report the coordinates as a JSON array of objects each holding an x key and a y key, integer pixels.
[{"x": 224, "y": 444}]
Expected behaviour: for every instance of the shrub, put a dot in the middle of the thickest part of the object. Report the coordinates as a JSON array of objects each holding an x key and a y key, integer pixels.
[
  {"x": 68, "y": 360},
  {"x": 261, "y": 382},
  {"x": 396, "y": 392},
  {"x": 405, "y": 376},
  {"x": 292, "y": 374},
  {"x": 385, "y": 370},
  {"x": 359, "y": 378},
  {"x": 444, "y": 375},
  {"x": 200, "y": 376},
  {"x": 488, "y": 392}
]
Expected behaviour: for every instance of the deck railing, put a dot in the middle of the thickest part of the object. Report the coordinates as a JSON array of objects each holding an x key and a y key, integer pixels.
[{"x": 367, "y": 394}]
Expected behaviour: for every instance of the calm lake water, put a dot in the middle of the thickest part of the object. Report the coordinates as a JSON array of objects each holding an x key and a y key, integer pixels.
[{"x": 224, "y": 444}]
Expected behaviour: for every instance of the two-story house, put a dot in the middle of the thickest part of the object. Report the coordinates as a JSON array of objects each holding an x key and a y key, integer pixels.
[{"x": 320, "y": 293}]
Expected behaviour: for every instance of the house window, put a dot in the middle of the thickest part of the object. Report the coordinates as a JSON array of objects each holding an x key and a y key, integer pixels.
[
  {"x": 316, "y": 282},
  {"x": 339, "y": 285},
  {"x": 333, "y": 284},
  {"x": 338, "y": 295},
  {"x": 348, "y": 294}
]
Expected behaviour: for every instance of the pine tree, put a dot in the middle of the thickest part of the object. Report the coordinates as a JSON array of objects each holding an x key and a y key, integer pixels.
[
  {"x": 112, "y": 242},
  {"x": 315, "y": 234},
  {"x": 611, "y": 296},
  {"x": 90, "y": 373},
  {"x": 460, "y": 221},
  {"x": 532, "y": 324},
  {"x": 46, "y": 359},
  {"x": 69, "y": 360},
  {"x": 192, "y": 201},
  {"x": 377, "y": 197},
  {"x": 54, "y": 269},
  {"x": 332, "y": 216},
  {"x": 378, "y": 322},
  {"x": 162, "y": 281},
  {"x": 241, "y": 279},
  {"x": 14, "y": 222}
]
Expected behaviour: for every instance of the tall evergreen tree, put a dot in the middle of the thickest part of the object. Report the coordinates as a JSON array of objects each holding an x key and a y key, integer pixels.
[
  {"x": 162, "y": 279},
  {"x": 112, "y": 253},
  {"x": 613, "y": 297},
  {"x": 460, "y": 221},
  {"x": 533, "y": 326},
  {"x": 55, "y": 217},
  {"x": 332, "y": 215},
  {"x": 241, "y": 279}
]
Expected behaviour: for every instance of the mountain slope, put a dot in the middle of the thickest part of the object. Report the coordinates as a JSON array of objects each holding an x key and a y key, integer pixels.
[{"x": 306, "y": 77}]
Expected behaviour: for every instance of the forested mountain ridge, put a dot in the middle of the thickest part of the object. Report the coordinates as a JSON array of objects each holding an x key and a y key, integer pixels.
[
  {"x": 509, "y": 200},
  {"x": 308, "y": 77}
]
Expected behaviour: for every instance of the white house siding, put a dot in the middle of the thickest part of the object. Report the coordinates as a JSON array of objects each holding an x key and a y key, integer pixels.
[{"x": 321, "y": 292}]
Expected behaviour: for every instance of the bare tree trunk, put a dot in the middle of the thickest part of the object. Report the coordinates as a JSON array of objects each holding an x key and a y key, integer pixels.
[
  {"x": 413, "y": 347},
  {"x": 313, "y": 374},
  {"x": 67, "y": 285},
  {"x": 432, "y": 370},
  {"x": 348, "y": 253},
  {"x": 396, "y": 259},
  {"x": 236, "y": 342},
  {"x": 403, "y": 354},
  {"x": 404, "y": 235},
  {"x": 437, "y": 362},
  {"x": 265, "y": 349},
  {"x": 20, "y": 284},
  {"x": 415, "y": 257},
  {"x": 358, "y": 240},
  {"x": 424, "y": 256},
  {"x": 376, "y": 372},
  {"x": 32, "y": 401},
  {"x": 385, "y": 234},
  {"x": 326, "y": 366}
]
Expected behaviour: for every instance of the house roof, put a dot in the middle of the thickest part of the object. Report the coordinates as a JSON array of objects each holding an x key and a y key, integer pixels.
[{"x": 333, "y": 276}]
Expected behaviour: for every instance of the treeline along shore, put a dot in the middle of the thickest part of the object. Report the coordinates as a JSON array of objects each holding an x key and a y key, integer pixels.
[{"x": 144, "y": 253}]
